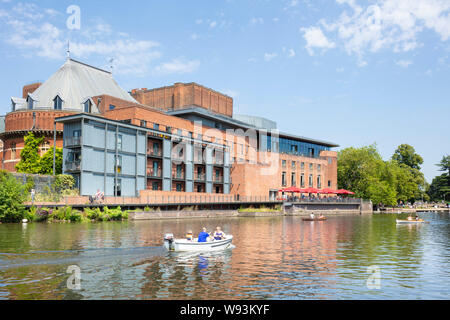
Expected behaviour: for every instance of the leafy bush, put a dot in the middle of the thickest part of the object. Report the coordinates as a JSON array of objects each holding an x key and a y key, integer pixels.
[
  {"x": 64, "y": 182},
  {"x": 12, "y": 197}
]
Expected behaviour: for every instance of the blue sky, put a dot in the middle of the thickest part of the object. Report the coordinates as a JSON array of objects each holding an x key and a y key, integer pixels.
[{"x": 347, "y": 71}]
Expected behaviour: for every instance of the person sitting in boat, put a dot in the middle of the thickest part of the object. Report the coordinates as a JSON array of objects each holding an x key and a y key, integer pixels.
[
  {"x": 189, "y": 235},
  {"x": 219, "y": 234},
  {"x": 203, "y": 236},
  {"x": 417, "y": 218},
  {"x": 321, "y": 216},
  {"x": 312, "y": 216},
  {"x": 410, "y": 218}
]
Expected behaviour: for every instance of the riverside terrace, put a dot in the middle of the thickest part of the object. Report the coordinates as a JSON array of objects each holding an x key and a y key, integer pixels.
[{"x": 167, "y": 201}]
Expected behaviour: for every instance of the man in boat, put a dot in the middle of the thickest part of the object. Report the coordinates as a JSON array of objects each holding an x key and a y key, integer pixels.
[
  {"x": 312, "y": 216},
  {"x": 189, "y": 235},
  {"x": 203, "y": 236},
  {"x": 321, "y": 216},
  {"x": 219, "y": 234},
  {"x": 410, "y": 218}
]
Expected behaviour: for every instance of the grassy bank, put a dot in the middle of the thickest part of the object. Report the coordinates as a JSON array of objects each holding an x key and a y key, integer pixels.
[{"x": 67, "y": 214}]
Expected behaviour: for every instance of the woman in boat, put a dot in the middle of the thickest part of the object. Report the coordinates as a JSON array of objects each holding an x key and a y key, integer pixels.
[
  {"x": 219, "y": 234},
  {"x": 321, "y": 216},
  {"x": 189, "y": 235}
]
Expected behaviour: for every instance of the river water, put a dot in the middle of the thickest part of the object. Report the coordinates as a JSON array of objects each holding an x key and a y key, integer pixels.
[{"x": 346, "y": 257}]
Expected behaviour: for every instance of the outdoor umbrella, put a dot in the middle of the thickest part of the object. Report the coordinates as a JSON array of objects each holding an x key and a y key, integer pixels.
[
  {"x": 328, "y": 191},
  {"x": 291, "y": 189},
  {"x": 310, "y": 190},
  {"x": 343, "y": 191}
]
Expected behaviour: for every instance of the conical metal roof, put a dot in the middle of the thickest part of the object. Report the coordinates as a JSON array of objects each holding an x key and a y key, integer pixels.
[{"x": 75, "y": 82}]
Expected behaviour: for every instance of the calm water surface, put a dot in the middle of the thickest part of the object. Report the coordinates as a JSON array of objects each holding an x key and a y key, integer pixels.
[{"x": 273, "y": 258}]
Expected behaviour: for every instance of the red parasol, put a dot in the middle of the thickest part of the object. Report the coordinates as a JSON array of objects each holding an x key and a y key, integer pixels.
[
  {"x": 291, "y": 189},
  {"x": 343, "y": 191}
]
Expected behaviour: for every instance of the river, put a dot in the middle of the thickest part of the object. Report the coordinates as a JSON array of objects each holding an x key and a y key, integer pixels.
[{"x": 346, "y": 257}]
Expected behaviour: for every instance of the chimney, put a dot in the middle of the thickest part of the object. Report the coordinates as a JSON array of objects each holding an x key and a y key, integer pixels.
[{"x": 30, "y": 88}]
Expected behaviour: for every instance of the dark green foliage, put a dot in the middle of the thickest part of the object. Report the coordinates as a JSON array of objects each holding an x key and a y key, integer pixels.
[
  {"x": 12, "y": 197},
  {"x": 31, "y": 162},
  {"x": 363, "y": 171},
  {"x": 440, "y": 187}
]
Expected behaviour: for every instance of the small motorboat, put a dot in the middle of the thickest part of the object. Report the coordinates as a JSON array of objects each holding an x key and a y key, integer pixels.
[
  {"x": 411, "y": 221},
  {"x": 172, "y": 244},
  {"x": 315, "y": 219}
]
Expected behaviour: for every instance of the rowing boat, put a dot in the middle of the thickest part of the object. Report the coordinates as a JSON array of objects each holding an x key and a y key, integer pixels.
[
  {"x": 316, "y": 219},
  {"x": 411, "y": 221},
  {"x": 172, "y": 244}
]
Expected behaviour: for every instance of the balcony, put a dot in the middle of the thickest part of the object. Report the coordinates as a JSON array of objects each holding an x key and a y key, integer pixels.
[
  {"x": 218, "y": 179},
  {"x": 73, "y": 166},
  {"x": 199, "y": 177},
  {"x": 154, "y": 153},
  {"x": 72, "y": 142},
  {"x": 151, "y": 173},
  {"x": 178, "y": 175}
]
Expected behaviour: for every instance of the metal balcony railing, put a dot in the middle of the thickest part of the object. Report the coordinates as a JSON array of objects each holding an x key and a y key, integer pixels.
[
  {"x": 218, "y": 179},
  {"x": 154, "y": 173},
  {"x": 154, "y": 152},
  {"x": 73, "y": 166},
  {"x": 199, "y": 177},
  {"x": 72, "y": 142},
  {"x": 178, "y": 175}
]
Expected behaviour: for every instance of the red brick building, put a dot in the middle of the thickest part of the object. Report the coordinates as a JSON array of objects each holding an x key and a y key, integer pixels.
[{"x": 262, "y": 159}]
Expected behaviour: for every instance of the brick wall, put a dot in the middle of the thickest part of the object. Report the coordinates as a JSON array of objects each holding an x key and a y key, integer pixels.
[{"x": 181, "y": 95}]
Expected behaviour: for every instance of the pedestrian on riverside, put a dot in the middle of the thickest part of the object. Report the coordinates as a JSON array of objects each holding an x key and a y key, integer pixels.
[{"x": 33, "y": 194}]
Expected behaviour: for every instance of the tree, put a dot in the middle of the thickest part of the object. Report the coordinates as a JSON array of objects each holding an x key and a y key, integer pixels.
[
  {"x": 440, "y": 187},
  {"x": 29, "y": 157},
  {"x": 46, "y": 162},
  {"x": 363, "y": 171},
  {"x": 12, "y": 197},
  {"x": 407, "y": 155}
]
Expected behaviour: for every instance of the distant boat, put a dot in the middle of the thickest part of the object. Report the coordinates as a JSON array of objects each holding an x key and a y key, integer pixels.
[
  {"x": 172, "y": 244},
  {"x": 315, "y": 219},
  {"x": 411, "y": 221}
]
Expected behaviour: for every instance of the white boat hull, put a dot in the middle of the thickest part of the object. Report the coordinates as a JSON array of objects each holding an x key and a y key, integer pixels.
[
  {"x": 183, "y": 245},
  {"x": 411, "y": 222}
]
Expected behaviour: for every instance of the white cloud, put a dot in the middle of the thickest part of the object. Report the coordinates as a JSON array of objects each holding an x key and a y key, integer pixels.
[
  {"x": 178, "y": 66},
  {"x": 270, "y": 56},
  {"x": 213, "y": 24},
  {"x": 30, "y": 30},
  {"x": 316, "y": 39},
  {"x": 291, "y": 53},
  {"x": 404, "y": 63},
  {"x": 387, "y": 24}
]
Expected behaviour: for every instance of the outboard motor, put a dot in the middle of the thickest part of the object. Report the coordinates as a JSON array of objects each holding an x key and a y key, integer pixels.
[{"x": 168, "y": 241}]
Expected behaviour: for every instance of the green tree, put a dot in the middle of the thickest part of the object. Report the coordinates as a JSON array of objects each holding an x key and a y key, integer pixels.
[
  {"x": 12, "y": 197},
  {"x": 440, "y": 187},
  {"x": 46, "y": 162},
  {"x": 363, "y": 171},
  {"x": 407, "y": 155},
  {"x": 29, "y": 157}
]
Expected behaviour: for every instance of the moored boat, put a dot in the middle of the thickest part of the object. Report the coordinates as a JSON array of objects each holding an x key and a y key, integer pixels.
[{"x": 172, "y": 244}]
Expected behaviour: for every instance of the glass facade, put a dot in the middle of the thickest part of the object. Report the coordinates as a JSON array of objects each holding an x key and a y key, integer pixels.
[{"x": 294, "y": 147}]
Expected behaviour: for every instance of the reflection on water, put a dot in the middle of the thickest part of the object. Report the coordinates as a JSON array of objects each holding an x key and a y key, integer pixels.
[{"x": 272, "y": 258}]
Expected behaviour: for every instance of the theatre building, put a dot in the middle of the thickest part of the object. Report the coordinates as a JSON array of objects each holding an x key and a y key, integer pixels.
[{"x": 183, "y": 138}]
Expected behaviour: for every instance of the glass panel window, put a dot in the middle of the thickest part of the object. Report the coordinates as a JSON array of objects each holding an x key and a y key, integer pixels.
[
  {"x": 319, "y": 167},
  {"x": 87, "y": 106},
  {"x": 30, "y": 103},
  {"x": 293, "y": 182},
  {"x": 155, "y": 186},
  {"x": 311, "y": 181},
  {"x": 283, "y": 179},
  {"x": 119, "y": 142},
  {"x": 57, "y": 103},
  {"x": 302, "y": 180},
  {"x": 311, "y": 167},
  {"x": 283, "y": 163},
  {"x": 156, "y": 126},
  {"x": 319, "y": 182}
]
